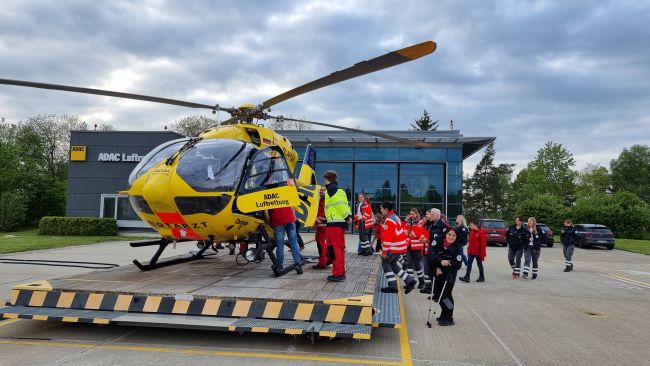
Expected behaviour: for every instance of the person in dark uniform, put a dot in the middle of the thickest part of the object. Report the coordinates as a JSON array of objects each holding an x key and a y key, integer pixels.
[
  {"x": 515, "y": 237},
  {"x": 447, "y": 259},
  {"x": 569, "y": 240},
  {"x": 462, "y": 235},
  {"x": 533, "y": 248},
  {"x": 436, "y": 228}
]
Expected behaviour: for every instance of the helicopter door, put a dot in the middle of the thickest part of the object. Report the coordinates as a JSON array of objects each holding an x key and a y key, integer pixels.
[
  {"x": 308, "y": 190},
  {"x": 268, "y": 183}
]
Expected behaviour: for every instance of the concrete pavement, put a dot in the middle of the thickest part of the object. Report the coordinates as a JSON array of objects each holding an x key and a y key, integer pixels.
[{"x": 596, "y": 315}]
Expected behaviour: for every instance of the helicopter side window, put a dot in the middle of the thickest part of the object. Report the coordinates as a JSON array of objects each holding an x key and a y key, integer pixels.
[
  {"x": 268, "y": 168},
  {"x": 160, "y": 153},
  {"x": 213, "y": 165}
]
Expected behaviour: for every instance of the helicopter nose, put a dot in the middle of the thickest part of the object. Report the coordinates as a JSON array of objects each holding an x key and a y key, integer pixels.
[{"x": 156, "y": 192}]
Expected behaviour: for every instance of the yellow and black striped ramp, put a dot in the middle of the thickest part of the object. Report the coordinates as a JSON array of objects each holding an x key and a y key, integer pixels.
[
  {"x": 59, "y": 315},
  {"x": 241, "y": 325},
  {"x": 356, "y": 310}
]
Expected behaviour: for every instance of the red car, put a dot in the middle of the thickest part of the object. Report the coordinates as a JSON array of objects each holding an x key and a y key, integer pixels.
[{"x": 495, "y": 231}]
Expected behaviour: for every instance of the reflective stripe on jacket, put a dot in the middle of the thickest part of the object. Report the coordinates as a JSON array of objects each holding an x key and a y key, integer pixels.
[{"x": 393, "y": 237}]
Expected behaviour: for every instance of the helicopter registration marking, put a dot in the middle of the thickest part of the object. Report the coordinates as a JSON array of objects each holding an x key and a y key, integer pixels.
[
  {"x": 178, "y": 226},
  {"x": 194, "y": 225}
]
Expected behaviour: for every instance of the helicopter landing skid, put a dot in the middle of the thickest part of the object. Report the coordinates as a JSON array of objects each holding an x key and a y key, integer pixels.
[{"x": 162, "y": 245}]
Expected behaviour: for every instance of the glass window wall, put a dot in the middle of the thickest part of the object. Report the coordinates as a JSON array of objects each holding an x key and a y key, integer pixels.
[
  {"x": 421, "y": 186},
  {"x": 378, "y": 181}
]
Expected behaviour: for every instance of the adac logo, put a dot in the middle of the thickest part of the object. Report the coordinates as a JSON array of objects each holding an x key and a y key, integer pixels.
[
  {"x": 77, "y": 153},
  {"x": 271, "y": 196}
]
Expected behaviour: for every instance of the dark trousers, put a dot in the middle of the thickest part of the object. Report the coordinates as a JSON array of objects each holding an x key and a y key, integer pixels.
[
  {"x": 429, "y": 268},
  {"x": 446, "y": 298},
  {"x": 364, "y": 239},
  {"x": 470, "y": 259},
  {"x": 531, "y": 253},
  {"x": 514, "y": 257},
  {"x": 414, "y": 264},
  {"x": 568, "y": 254},
  {"x": 378, "y": 245},
  {"x": 393, "y": 269}
]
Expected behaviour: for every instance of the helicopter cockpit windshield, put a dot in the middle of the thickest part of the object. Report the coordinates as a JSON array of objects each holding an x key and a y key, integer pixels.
[
  {"x": 214, "y": 165},
  {"x": 156, "y": 155}
]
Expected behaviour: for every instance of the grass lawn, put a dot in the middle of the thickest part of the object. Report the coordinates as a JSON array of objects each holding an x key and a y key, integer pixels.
[
  {"x": 29, "y": 239},
  {"x": 628, "y": 245},
  {"x": 636, "y": 246}
]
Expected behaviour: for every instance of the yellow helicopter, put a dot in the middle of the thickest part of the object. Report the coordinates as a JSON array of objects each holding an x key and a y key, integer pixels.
[{"x": 215, "y": 187}]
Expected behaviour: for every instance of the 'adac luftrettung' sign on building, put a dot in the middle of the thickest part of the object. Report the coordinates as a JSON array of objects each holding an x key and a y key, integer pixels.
[{"x": 120, "y": 157}]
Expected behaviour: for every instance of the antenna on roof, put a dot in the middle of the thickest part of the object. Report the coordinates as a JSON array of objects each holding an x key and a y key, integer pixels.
[{"x": 451, "y": 124}]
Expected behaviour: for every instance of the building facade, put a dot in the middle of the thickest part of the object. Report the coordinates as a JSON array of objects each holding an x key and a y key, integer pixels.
[
  {"x": 100, "y": 165},
  {"x": 101, "y": 162},
  {"x": 410, "y": 177}
]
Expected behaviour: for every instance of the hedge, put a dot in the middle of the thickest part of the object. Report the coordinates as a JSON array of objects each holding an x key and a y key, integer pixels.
[{"x": 77, "y": 226}]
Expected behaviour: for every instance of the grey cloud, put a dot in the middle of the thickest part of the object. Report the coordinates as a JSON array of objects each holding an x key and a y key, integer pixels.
[{"x": 524, "y": 71}]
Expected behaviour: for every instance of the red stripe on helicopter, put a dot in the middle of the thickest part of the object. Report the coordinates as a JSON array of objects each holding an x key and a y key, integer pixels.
[
  {"x": 179, "y": 228},
  {"x": 171, "y": 217}
]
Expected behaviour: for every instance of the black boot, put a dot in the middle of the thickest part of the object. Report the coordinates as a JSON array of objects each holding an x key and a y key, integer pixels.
[
  {"x": 567, "y": 269},
  {"x": 481, "y": 279},
  {"x": 426, "y": 289},
  {"x": 534, "y": 276},
  {"x": 410, "y": 285},
  {"x": 420, "y": 285},
  {"x": 464, "y": 279},
  {"x": 443, "y": 322}
]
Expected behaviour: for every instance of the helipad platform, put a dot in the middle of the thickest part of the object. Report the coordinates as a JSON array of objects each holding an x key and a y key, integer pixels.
[{"x": 216, "y": 293}]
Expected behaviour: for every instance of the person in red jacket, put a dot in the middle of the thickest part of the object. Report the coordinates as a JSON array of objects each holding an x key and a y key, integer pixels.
[
  {"x": 321, "y": 229},
  {"x": 379, "y": 220},
  {"x": 416, "y": 236},
  {"x": 393, "y": 245},
  {"x": 363, "y": 221},
  {"x": 475, "y": 249}
]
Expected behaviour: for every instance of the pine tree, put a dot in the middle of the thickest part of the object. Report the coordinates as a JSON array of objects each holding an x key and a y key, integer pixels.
[
  {"x": 424, "y": 123},
  {"x": 488, "y": 189}
]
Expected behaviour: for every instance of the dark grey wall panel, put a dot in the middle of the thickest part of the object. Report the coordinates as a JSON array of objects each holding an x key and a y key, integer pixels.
[{"x": 88, "y": 180}]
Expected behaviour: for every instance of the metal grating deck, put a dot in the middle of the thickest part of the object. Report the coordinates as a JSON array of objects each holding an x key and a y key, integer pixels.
[{"x": 388, "y": 305}]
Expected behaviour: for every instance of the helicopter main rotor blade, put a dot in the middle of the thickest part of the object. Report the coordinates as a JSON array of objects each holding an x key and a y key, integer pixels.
[
  {"x": 110, "y": 93},
  {"x": 364, "y": 67},
  {"x": 371, "y": 133}
]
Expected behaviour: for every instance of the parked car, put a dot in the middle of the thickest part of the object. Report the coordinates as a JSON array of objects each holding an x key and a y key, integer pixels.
[
  {"x": 495, "y": 231},
  {"x": 594, "y": 234},
  {"x": 547, "y": 234}
]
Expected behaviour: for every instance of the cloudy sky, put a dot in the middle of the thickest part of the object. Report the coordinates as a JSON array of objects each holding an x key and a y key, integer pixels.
[{"x": 575, "y": 72}]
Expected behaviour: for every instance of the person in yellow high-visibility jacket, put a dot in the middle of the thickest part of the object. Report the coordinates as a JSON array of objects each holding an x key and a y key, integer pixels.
[{"x": 339, "y": 216}]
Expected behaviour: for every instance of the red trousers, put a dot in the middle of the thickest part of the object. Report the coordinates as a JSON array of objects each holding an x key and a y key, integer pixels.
[
  {"x": 321, "y": 241},
  {"x": 336, "y": 239}
]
